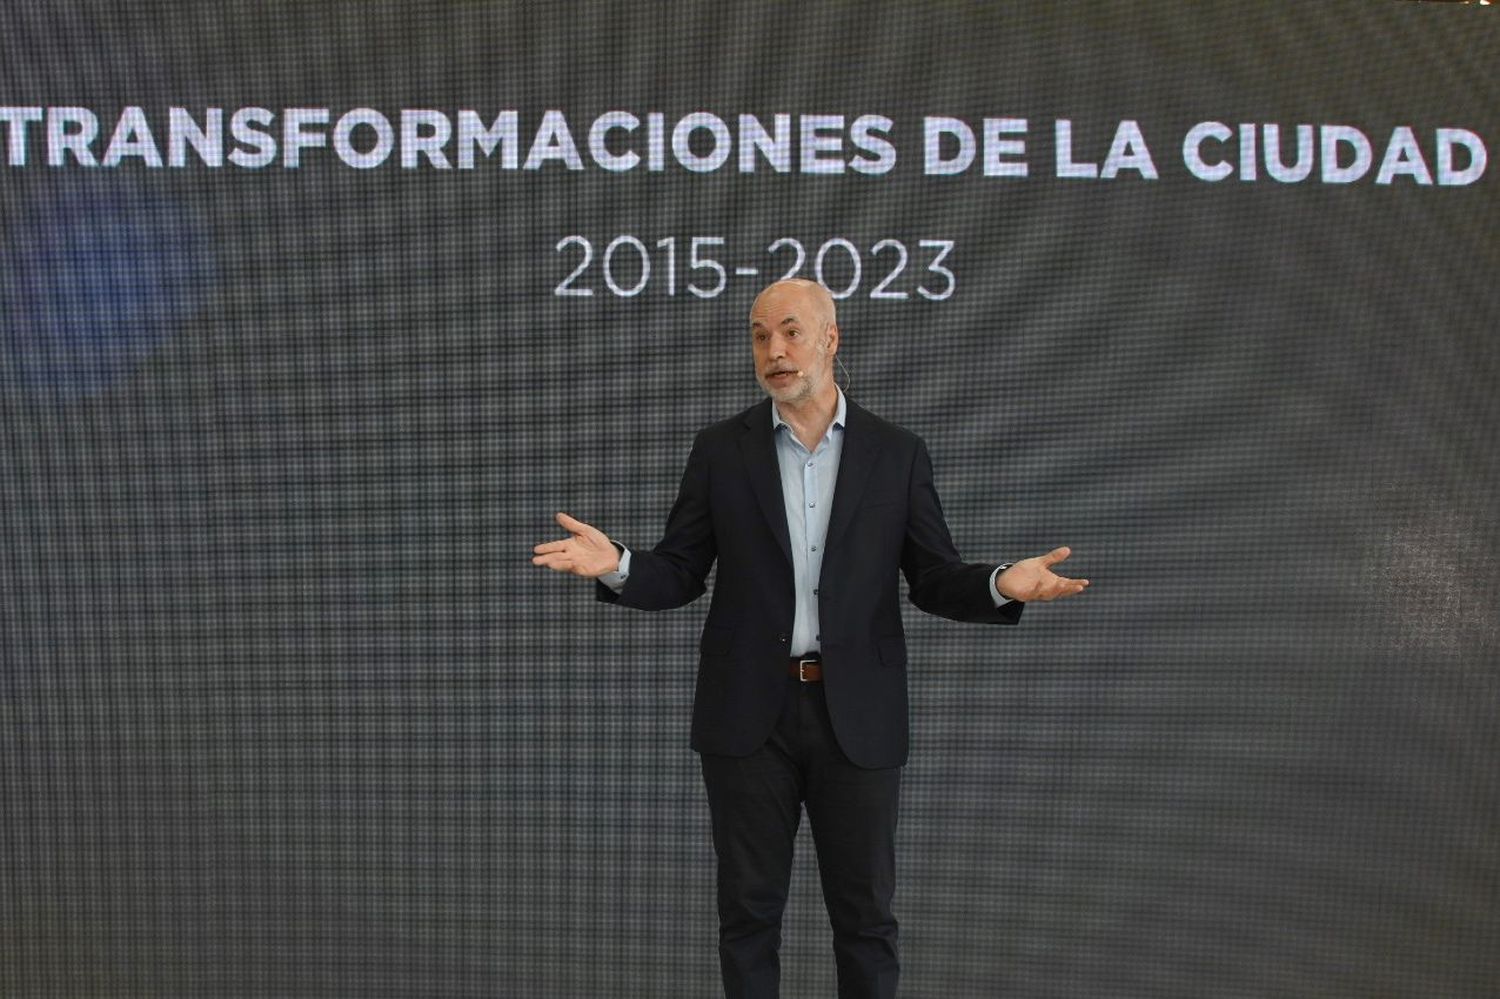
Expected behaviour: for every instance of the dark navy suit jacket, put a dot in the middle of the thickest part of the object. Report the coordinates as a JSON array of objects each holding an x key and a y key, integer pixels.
[{"x": 886, "y": 518}]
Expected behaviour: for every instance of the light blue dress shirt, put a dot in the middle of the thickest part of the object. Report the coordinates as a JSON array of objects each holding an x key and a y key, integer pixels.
[{"x": 807, "y": 480}]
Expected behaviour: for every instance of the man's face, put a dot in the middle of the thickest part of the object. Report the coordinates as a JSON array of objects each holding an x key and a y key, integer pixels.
[{"x": 793, "y": 340}]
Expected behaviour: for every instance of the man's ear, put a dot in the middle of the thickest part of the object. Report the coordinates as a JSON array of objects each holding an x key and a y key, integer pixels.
[{"x": 831, "y": 338}]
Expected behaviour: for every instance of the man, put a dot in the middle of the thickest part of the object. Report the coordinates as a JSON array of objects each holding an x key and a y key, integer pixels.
[{"x": 811, "y": 505}]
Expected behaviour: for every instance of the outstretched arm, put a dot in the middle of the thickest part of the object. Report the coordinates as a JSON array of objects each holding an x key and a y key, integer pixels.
[
  {"x": 942, "y": 584},
  {"x": 1032, "y": 579},
  {"x": 586, "y": 551},
  {"x": 667, "y": 576}
]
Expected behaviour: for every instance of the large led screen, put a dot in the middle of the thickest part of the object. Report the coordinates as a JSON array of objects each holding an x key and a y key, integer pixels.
[{"x": 312, "y": 315}]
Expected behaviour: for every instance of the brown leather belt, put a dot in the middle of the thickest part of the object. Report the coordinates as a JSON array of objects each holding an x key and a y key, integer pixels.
[{"x": 808, "y": 669}]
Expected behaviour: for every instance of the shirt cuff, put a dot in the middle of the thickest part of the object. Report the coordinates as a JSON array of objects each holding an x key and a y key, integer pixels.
[
  {"x": 616, "y": 580},
  {"x": 1000, "y": 601}
]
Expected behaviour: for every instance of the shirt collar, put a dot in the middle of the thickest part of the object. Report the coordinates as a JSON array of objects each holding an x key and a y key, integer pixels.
[{"x": 839, "y": 415}]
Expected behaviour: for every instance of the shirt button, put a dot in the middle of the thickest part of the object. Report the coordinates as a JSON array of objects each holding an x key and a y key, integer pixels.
[
  {"x": 809, "y": 464},
  {"x": 814, "y": 547},
  {"x": 813, "y": 503}
]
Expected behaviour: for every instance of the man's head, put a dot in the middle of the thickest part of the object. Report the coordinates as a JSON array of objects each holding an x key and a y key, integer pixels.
[{"x": 794, "y": 335}]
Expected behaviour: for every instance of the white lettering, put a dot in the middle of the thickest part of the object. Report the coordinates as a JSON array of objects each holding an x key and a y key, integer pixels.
[
  {"x": 933, "y": 130},
  {"x": 343, "y": 138},
  {"x": 1448, "y": 176},
  {"x": 1192, "y": 151},
  {"x": 207, "y": 142},
  {"x": 132, "y": 137},
  {"x": 241, "y": 127},
  {"x": 1298, "y": 171},
  {"x": 1065, "y": 165},
  {"x": 868, "y": 135},
  {"x": 1403, "y": 157},
  {"x": 1128, "y": 152},
  {"x": 996, "y": 148},
  {"x": 775, "y": 147},
  {"x": 61, "y": 139},
  {"x": 1334, "y": 136},
  {"x": 294, "y": 138},
  {"x": 17, "y": 119},
  {"x": 1247, "y": 151},
  {"x": 424, "y": 133},
  {"x": 682, "y": 142},
  {"x": 553, "y": 142},
  {"x": 599, "y": 148},
  {"x": 504, "y": 132},
  {"x": 656, "y": 149},
  {"x": 815, "y": 141}
]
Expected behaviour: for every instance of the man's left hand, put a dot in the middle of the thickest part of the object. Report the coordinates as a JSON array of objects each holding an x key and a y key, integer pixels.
[{"x": 1032, "y": 579}]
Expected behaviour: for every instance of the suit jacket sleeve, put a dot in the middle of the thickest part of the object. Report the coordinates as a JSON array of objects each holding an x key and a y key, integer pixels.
[
  {"x": 673, "y": 573},
  {"x": 939, "y": 581}
]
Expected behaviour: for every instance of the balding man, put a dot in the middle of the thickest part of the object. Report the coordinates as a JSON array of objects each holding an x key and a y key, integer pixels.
[{"x": 811, "y": 505}]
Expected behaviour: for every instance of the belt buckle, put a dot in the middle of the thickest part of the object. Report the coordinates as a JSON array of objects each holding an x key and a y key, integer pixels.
[{"x": 802, "y": 665}]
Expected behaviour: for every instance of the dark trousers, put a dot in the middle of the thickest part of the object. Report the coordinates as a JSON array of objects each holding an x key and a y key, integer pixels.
[{"x": 755, "y": 803}]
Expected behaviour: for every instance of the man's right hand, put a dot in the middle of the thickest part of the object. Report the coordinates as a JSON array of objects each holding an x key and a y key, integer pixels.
[{"x": 584, "y": 552}]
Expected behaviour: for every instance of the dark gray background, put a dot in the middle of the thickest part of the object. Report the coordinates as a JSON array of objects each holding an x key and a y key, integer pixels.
[{"x": 286, "y": 711}]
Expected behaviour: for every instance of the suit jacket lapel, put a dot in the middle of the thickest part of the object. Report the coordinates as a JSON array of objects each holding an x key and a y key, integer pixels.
[
  {"x": 855, "y": 465},
  {"x": 758, "y": 445}
]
